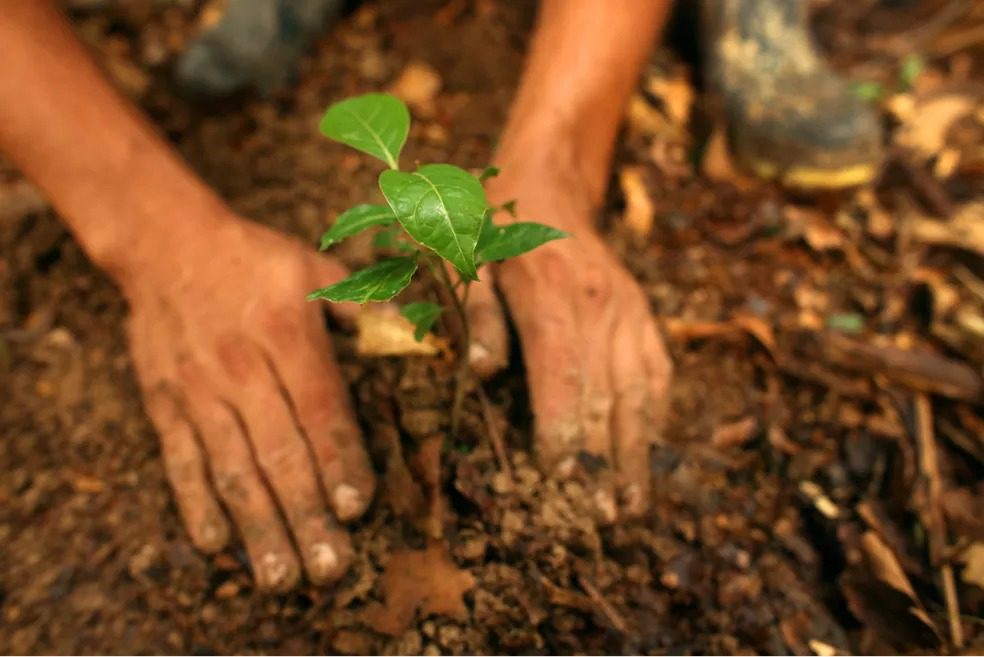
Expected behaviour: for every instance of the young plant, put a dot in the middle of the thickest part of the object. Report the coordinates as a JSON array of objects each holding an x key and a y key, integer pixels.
[{"x": 436, "y": 216}]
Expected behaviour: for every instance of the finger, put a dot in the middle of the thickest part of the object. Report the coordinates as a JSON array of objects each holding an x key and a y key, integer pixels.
[
  {"x": 489, "y": 351},
  {"x": 594, "y": 304},
  {"x": 632, "y": 424},
  {"x": 327, "y": 271},
  {"x": 238, "y": 482},
  {"x": 305, "y": 362},
  {"x": 548, "y": 331},
  {"x": 184, "y": 464},
  {"x": 659, "y": 369},
  {"x": 285, "y": 460}
]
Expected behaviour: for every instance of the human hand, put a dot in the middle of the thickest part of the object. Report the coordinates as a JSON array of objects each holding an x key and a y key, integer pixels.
[
  {"x": 597, "y": 368},
  {"x": 239, "y": 379}
]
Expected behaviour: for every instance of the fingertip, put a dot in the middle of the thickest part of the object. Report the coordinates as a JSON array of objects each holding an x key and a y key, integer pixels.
[
  {"x": 211, "y": 535},
  {"x": 276, "y": 572},
  {"x": 485, "y": 362},
  {"x": 348, "y": 502},
  {"x": 328, "y": 560}
]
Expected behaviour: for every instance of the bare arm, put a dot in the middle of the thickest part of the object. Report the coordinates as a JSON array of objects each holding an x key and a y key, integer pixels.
[
  {"x": 98, "y": 160},
  {"x": 584, "y": 62},
  {"x": 230, "y": 359},
  {"x": 597, "y": 369}
]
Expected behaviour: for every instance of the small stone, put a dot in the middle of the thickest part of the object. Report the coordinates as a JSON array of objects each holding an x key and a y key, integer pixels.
[
  {"x": 372, "y": 66},
  {"x": 502, "y": 483},
  {"x": 348, "y": 642},
  {"x": 226, "y": 562},
  {"x": 209, "y": 613},
  {"x": 472, "y": 549},
  {"x": 142, "y": 561},
  {"x": 226, "y": 590}
]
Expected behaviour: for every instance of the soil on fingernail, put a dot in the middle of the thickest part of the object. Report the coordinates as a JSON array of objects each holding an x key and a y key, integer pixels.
[{"x": 806, "y": 534}]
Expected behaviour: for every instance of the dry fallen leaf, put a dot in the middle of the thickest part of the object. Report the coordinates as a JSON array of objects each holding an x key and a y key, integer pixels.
[
  {"x": 675, "y": 92},
  {"x": 973, "y": 558},
  {"x": 734, "y": 434},
  {"x": 879, "y": 224},
  {"x": 639, "y": 210},
  {"x": 964, "y": 230},
  {"x": 926, "y": 123},
  {"x": 418, "y": 85},
  {"x": 425, "y": 581},
  {"x": 718, "y": 166},
  {"x": 383, "y": 331},
  {"x": 879, "y": 593},
  {"x": 814, "y": 227}
]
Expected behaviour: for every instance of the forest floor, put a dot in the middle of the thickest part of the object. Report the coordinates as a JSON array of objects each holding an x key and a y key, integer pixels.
[{"x": 818, "y": 489}]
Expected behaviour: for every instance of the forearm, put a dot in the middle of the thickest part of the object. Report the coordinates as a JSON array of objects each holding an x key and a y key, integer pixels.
[
  {"x": 584, "y": 62},
  {"x": 121, "y": 189}
]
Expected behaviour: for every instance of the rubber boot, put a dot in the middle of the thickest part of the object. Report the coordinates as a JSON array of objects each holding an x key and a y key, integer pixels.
[
  {"x": 789, "y": 116},
  {"x": 255, "y": 44}
]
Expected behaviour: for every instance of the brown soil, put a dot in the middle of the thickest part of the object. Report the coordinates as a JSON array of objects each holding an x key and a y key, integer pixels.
[{"x": 789, "y": 506}]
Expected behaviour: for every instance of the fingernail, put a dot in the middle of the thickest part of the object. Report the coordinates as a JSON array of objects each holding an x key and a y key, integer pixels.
[
  {"x": 212, "y": 535},
  {"x": 324, "y": 560},
  {"x": 606, "y": 506},
  {"x": 477, "y": 353},
  {"x": 348, "y": 501},
  {"x": 274, "y": 571}
]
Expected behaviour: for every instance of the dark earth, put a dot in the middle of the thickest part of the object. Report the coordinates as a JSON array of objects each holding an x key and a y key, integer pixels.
[{"x": 827, "y": 348}]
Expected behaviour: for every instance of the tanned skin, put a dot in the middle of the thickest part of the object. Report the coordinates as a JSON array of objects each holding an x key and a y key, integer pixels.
[{"x": 227, "y": 351}]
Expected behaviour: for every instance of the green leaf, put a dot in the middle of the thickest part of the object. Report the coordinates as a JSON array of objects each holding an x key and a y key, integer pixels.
[
  {"x": 912, "y": 66},
  {"x": 503, "y": 242},
  {"x": 355, "y": 220},
  {"x": 422, "y": 314},
  {"x": 380, "y": 282},
  {"x": 442, "y": 207},
  {"x": 846, "y": 322},
  {"x": 867, "y": 91},
  {"x": 490, "y": 172},
  {"x": 510, "y": 207},
  {"x": 376, "y": 124}
]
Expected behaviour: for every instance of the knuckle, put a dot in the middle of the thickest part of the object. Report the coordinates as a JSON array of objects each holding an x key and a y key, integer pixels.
[
  {"x": 282, "y": 327},
  {"x": 183, "y": 468},
  {"x": 237, "y": 357},
  {"x": 285, "y": 460},
  {"x": 596, "y": 283},
  {"x": 230, "y": 483}
]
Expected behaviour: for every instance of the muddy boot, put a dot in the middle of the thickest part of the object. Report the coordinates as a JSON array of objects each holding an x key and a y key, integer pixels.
[
  {"x": 789, "y": 116},
  {"x": 252, "y": 44}
]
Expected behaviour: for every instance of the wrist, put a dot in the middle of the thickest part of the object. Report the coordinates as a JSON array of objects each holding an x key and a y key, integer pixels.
[
  {"x": 554, "y": 148},
  {"x": 128, "y": 234}
]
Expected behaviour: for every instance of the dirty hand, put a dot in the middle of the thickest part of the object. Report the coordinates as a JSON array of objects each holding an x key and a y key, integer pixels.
[
  {"x": 597, "y": 368},
  {"x": 238, "y": 376}
]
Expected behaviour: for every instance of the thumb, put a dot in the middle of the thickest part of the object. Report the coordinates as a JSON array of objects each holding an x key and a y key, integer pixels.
[
  {"x": 328, "y": 270},
  {"x": 489, "y": 350}
]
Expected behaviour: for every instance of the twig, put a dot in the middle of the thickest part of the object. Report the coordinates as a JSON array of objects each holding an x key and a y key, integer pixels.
[
  {"x": 462, "y": 371},
  {"x": 934, "y": 514},
  {"x": 495, "y": 436},
  {"x": 606, "y": 608}
]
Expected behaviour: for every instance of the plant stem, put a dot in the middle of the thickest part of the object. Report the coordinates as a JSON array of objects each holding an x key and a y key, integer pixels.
[{"x": 462, "y": 371}]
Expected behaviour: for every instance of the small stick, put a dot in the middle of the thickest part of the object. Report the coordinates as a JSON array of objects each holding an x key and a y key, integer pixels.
[
  {"x": 606, "y": 608},
  {"x": 495, "y": 437},
  {"x": 934, "y": 520}
]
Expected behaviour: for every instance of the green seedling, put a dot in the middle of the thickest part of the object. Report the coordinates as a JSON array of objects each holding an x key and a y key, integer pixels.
[{"x": 436, "y": 217}]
